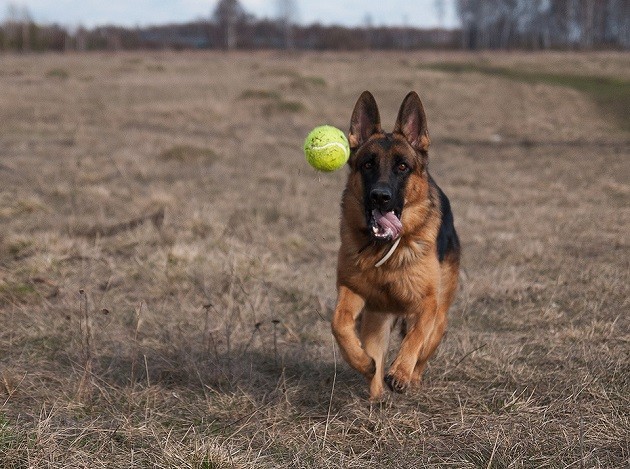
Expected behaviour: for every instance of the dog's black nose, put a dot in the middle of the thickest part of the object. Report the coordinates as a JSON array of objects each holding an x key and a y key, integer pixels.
[{"x": 380, "y": 196}]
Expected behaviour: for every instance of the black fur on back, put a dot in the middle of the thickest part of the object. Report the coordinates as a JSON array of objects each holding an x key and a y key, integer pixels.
[{"x": 447, "y": 240}]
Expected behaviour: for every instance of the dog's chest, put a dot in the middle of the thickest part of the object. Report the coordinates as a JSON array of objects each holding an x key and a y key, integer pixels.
[{"x": 391, "y": 291}]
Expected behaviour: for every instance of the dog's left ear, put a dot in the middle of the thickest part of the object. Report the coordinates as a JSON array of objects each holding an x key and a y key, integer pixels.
[{"x": 412, "y": 122}]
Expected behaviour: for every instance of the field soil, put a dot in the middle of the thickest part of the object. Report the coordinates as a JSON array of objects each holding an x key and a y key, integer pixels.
[{"x": 167, "y": 263}]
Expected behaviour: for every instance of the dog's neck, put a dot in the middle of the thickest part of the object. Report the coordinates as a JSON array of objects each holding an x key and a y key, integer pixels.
[{"x": 388, "y": 254}]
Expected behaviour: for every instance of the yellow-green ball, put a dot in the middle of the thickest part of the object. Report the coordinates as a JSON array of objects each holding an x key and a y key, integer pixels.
[{"x": 326, "y": 148}]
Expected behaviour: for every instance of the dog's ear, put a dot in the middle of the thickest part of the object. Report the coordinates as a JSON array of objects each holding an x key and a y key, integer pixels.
[
  {"x": 412, "y": 122},
  {"x": 365, "y": 120}
]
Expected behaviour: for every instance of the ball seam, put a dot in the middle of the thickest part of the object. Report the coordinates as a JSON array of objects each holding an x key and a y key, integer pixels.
[{"x": 337, "y": 144}]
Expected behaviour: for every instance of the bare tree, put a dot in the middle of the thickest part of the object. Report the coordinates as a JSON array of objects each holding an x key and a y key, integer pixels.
[
  {"x": 468, "y": 11},
  {"x": 227, "y": 15},
  {"x": 440, "y": 11},
  {"x": 19, "y": 25},
  {"x": 287, "y": 17},
  {"x": 618, "y": 22},
  {"x": 368, "y": 22}
]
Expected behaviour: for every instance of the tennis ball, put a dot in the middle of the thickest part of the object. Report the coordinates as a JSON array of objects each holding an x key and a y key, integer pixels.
[{"x": 326, "y": 148}]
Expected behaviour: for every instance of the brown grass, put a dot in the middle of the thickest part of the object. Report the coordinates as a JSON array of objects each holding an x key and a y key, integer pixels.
[{"x": 203, "y": 340}]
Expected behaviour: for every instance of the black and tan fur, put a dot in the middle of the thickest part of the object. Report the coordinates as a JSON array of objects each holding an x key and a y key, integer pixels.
[{"x": 389, "y": 171}]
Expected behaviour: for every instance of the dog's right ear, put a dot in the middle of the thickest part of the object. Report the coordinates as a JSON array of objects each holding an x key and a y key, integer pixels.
[{"x": 365, "y": 121}]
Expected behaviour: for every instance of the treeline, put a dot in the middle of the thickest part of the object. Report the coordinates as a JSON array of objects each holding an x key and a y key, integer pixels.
[
  {"x": 260, "y": 34},
  {"x": 29, "y": 36},
  {"x": 230, "y": 26},
  {"x": 486, "y": 24},
  {"x": 544, "y": 24}
]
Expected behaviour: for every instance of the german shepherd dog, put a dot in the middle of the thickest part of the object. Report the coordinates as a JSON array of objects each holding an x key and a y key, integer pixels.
[{"x": 399, "y": 254}]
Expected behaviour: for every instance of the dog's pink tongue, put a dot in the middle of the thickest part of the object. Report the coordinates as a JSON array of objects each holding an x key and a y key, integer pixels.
[{"x": 389, "y": 221}]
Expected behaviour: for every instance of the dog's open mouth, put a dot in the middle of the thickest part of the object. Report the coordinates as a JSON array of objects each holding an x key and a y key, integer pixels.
[{"x": 385, "y": 226}]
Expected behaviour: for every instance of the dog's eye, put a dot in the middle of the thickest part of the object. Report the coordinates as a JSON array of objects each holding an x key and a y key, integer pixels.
[
  {"x": 402, "y": 167},
  {"x": 368, "y": 165}
]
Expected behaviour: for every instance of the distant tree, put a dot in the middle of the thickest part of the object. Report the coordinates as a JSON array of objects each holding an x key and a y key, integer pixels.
[
  {"x": 287, "y": 17},
  {"x": 368, "y": 23},
  {"x": 468, "y": 11},
  {"x": 618, "y": 22},
  {"x": 20, "y": 28},
  {"x": 440, "y": 11},
  {"x": 81, "y": 39},
  {"x": 227, "y": 15}
]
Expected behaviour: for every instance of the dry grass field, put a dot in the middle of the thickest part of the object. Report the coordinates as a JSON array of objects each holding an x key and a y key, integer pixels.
[{"x": 167, "y": 263}]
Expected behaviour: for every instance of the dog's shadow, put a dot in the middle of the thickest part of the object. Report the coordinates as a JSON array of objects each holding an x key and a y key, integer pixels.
[{"x": 304, "y": 381}]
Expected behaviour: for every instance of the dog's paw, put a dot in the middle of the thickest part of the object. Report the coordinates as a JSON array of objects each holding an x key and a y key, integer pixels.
[
  {"x": 377, "y": 397},
  {"x": 396, "y": 384}
]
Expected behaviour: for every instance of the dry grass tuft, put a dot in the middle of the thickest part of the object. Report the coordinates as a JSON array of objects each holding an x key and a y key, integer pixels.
[
  {"x": 260, "y": 94},
  {"x": 57, "y": 73},
  {"x": 189, "y": 153},
  {"x": 167, "y": 265}
]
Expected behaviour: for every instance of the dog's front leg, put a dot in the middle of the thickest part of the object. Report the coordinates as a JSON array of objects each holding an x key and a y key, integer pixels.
[
  {"x": 375, "y": 331},
  {"x": 349, "y": 306},
  {"x": 400, "y": 373}
]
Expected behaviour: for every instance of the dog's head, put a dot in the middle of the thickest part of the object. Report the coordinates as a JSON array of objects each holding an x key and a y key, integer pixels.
[{"x": 387, "y": 165}]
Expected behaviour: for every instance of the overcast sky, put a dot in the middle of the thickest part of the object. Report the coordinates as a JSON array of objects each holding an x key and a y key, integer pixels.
[{"x": 419, "y": 13}]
